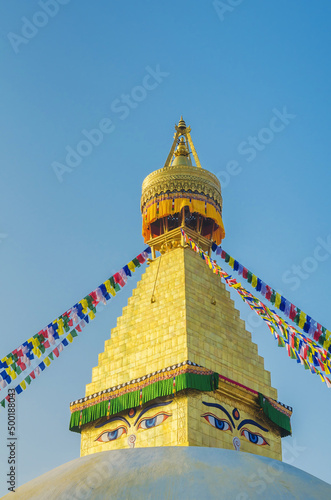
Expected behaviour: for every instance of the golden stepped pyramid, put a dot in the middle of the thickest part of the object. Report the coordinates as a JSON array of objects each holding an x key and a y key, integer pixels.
[{"x": 180, "y": 368}]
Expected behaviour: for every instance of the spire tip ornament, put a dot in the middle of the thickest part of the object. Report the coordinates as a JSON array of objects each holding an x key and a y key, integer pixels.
[
  {"x": 181, "y": 123},
  {"x": 181, "y": 195}
]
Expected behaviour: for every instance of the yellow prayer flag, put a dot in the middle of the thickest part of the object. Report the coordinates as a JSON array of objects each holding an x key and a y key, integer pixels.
[
  {"x": 47, "y": 361},
  {"x": 84, "y": 305},
  {"x": 91, "y": 315},
  {"x": 326, "y": 344},
  {"x": 278, "y": 300},
  {"x": 237, "y": 285},
  {"x": 109, "y": 288},
  {"x": 302, "y": 319},
  {"x": 132, "y": 267},
  {"x": 69, "y": 337},
  {"x": 254, "y": 281},
  {"x": 231, "y": 262},
  {"x": 23, "y": 385},
  {"x": 328, "y": 335},
  {"x": 36, "y": 352}
]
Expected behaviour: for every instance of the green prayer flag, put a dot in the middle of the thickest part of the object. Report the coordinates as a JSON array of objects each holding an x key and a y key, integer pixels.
[
  {"x": 51, "y": 356},
  {"x": 321, "y": 340},
  {"x": 42, "y": 348},
  {"x": 28, "y": 379},
  {"x": 249, "y": 276},
  {"x": 3, "y": 403},
  {"x": 136, "y": 262},
  {"x": 74, "y": 333},
  {"x": 273, "y": 297},
  {"x": 115, "y": 285},
  {"x": 227, "y": 257},
  {"x": 297, "y": 317}
]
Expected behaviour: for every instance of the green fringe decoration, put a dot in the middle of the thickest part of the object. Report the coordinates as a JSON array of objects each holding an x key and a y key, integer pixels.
[
  {"x": 153, "y": 391},
  {"x": 276, "y": 416}
]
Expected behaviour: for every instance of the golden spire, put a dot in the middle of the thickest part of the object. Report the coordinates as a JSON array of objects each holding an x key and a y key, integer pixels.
[
  {"x": 182, "y": 131},
  {"x": 182, "y": 195}
]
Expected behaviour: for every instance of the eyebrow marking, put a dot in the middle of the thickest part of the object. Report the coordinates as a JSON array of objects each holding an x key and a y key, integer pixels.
[
  {"x": 248, "y": 421},
  {"x": 112, "y": 420},
  {"x": 214, "y": 405},
  {"x": 155, "y": 405}
]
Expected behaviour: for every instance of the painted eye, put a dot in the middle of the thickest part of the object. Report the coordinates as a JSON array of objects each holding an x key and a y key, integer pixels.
[
  {"x": 253, "y": 438},
  {"x": 148, "y": 423},
  {"x": 111, "y": 435},
  {"x": 220, "y": 424}
]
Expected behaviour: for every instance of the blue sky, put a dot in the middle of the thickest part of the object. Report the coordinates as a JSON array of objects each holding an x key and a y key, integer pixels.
[{"x": 231, "y": 75}]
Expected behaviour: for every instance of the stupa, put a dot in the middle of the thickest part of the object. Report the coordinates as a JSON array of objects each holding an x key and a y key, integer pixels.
[{"x": 180, "y": 404}]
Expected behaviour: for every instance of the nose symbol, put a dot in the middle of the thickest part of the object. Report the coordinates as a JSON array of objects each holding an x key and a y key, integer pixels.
[
  {"x": 236, "y": 443},
  {"x": 132, "y": 440}
]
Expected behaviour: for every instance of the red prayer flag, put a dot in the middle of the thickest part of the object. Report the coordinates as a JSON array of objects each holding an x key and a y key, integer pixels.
[
  {"x": 293, "y": 312},
  {"x": 56, "y": 352},
  {"x": 141, "y": 258},
  {"x": 244, "y": 272},
  {"x": 32, "y": 374},
  {"x": 118, "y": 279}
]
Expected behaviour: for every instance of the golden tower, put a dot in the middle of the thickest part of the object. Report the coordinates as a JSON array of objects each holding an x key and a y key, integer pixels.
[{"x": 180, "y": 369}]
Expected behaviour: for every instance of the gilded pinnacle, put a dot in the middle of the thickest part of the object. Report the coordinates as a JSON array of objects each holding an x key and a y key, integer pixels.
[{"x": 181, "y": 123}]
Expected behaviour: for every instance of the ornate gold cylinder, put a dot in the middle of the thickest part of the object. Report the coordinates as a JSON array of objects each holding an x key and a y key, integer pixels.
[{"x": 168, "y": 190}]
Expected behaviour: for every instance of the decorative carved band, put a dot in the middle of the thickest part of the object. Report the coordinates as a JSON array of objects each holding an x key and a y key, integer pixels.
[{"x": 179, "y": 179}]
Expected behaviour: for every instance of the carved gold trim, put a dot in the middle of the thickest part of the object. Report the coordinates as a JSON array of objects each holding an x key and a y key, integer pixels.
[
  {"x": 173, "y": 239},
  {"x": 181, "y": 178}
]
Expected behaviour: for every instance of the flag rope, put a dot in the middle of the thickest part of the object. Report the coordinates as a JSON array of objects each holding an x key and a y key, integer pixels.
[
  {"x": 310, "y": 326},
  {"x": 41, "y": 345},
  {"x": 299, "y": 347}
]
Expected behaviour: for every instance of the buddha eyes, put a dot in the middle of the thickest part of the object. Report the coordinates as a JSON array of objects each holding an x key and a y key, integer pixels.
[
  {"x": 253, "y": 438},
  {"x": 224, "y": 425},
  {"x": 111, "y": 435},
  {"x": 148, "y": 423},
  {"x": 220, "y": 424}
]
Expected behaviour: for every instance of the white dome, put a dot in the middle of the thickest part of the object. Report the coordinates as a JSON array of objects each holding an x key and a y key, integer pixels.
[{"x": 174, "y": 473}]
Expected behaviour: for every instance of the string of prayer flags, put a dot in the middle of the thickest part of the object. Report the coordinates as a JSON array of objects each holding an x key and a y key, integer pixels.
[
  {"x": 39, "y": 349},
  {"x": 311, "y": 327},
  {"x": 299, "y": 347}
]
